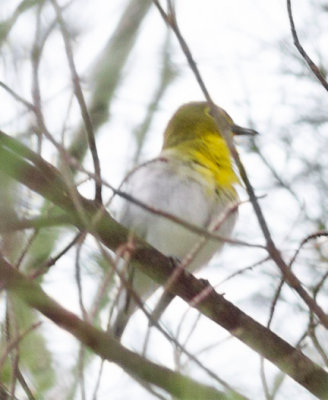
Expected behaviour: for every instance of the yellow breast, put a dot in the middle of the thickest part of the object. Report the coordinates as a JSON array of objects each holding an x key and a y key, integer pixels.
[{"x": 211, "y": 157}]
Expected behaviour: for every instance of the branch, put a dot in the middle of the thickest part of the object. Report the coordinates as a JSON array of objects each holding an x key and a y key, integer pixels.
[
  {"x": 17, "y": 97},
  {"x": 12, "y": 224},
  {"x": 15, "y": 341},
  {"x": 46, "y": 180},
  {"x": 301, "y": 50},
  {"x": 81, "y": 101},
  {"x": 101, "y": 342},
  {"x": 7, "y": 25}
]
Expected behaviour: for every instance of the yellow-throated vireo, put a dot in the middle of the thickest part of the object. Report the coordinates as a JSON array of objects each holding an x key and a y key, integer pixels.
[{"x": 193, "y": 179}]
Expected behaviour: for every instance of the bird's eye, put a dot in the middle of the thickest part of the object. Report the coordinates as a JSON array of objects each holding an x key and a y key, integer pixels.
[{"x": 209, "y": 112}]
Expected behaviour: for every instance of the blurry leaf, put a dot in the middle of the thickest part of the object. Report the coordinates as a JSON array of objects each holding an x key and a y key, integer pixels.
[
  {"x": 166, "y": 78},
  {"x": 35, "y": 360},
  {"x": 108, "y": 73},
  {"x": 6, "y": 26}
]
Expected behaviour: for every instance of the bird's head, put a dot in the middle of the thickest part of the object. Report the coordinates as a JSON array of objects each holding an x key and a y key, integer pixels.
[{"x": 196, "y": 120}]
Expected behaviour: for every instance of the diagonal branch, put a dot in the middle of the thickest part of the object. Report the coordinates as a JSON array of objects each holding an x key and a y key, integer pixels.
[
  {"x": 313, "y": 67},
  {"x": 81, "y": 101},
  {"x": 102, "y": 343},
  {"x": 48, "y": 183}
]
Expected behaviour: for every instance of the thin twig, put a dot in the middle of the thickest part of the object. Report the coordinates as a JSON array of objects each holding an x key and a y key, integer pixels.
[
  {"x": 313, "y": 67},
  {"x": 26, "y": 248},
  {"x": 155, "y": 323},
  {"x": 304, "y": 241},
  {"x": 183, "y": 265},
  {"x": 17, "y": 97},
  {"x": 36, "y": 59},
  {"x": 189, "y": 257},
  {"x": 192, "y": 329},
  {"x": 312, "y": 324},
  {"x": 15, "y": 341},
  {"x": 24, "y": 385},
  {"x": 80, "y": 369},
  {"x": 81, "y": 101},
  {"x": 242, "y": 270},
  {"x": 12, "y": 326},
  {"x": 101, "y": 291},
  {"x": 98, "y": 380},
  {"x": 52, "y": 261},
  {"x": 78, "y": 277},
  {"x": 275, "y": 301},
  {"x": 14, "y": 225},
  {"x": 264, "y": 380},
  {"x": 317, "y": 344}
]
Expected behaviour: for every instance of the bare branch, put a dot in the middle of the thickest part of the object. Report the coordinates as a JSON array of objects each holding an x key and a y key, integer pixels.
[
  {"x": 6, "y": 26},
  {"x": 313, "y": 67},
  {"x": 12, "y": 225},
  {"x": 304, "y": 241},
  {"x": 15, "y": 341},
  {"x": 81, "y": 101},
  {"x": 78, "y": 277},
  {"x": 102, "y": 343},
  {"x": 158, "y": 268},
  {"x": 17, "y": 97}
]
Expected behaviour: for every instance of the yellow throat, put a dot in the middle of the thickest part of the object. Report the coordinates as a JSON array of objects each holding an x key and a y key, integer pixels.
[{"x": 192, "y": 134}]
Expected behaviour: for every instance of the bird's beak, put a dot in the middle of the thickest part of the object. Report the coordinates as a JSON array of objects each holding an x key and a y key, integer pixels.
[{"x": 239, "y": 130}]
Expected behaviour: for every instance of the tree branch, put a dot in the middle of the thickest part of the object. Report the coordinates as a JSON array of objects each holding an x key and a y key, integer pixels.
[
  {"x": 302, "y": 51},
  {"x": 81, "y": 101},
  {"x": 46, "y": 180},
  {"x": 102, "y": 343}
]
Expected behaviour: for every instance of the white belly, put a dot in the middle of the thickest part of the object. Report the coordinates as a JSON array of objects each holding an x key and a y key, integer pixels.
[
  {"x": 177, "y": 189},
  {"x": 165, "y": 187}
]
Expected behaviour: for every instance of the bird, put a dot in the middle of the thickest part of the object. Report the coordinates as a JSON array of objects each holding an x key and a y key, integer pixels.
[{"x": 193, "y": 179}]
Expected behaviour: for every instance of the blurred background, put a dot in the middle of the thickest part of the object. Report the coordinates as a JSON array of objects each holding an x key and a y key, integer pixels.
[{"x": 134, "y": 75}]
